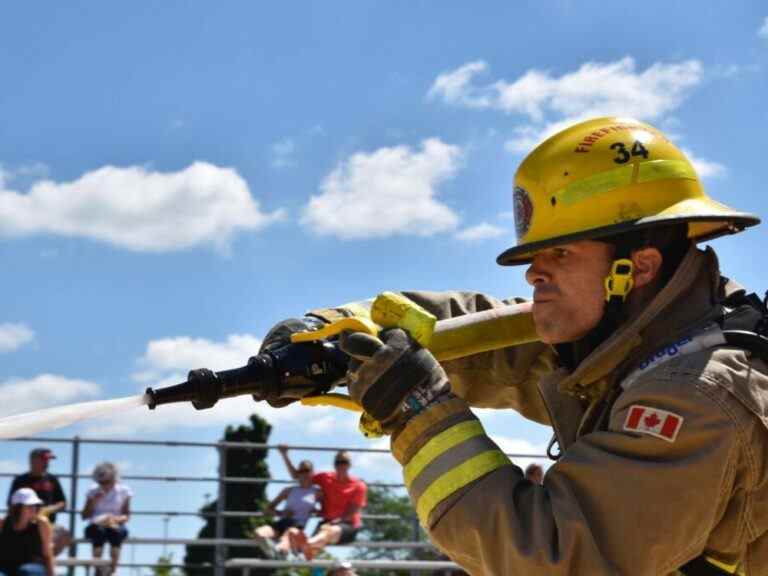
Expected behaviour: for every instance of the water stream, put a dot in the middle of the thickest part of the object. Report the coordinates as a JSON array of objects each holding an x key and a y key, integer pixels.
[{"x": 59, "y": 416}]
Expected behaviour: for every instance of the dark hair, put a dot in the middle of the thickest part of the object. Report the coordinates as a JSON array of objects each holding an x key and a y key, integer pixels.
[
  {"x": 305, "y": 465},
  {"x": 14, "y": 514},
  {"x": 531, "y": 468},
  {"x": 671, "y": 241},
  {"x": 342, "y": 457}
]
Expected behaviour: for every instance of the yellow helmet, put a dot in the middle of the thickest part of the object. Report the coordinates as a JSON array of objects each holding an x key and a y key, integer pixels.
[{"x": 606, "y": 176}]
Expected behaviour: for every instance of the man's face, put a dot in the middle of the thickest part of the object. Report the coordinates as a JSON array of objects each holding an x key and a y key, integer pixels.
[
  {"x": 568, "y": 289},
  {"x": 342, "y": 462},
  {"x": 536, "y": 476},
  {"x": 38, "y": 464}
]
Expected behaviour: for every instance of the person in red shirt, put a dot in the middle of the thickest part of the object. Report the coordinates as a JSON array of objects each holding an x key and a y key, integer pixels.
[{"x": 344, "y": 496}]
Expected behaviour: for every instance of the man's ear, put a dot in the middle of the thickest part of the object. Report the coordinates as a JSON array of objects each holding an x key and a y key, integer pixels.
[{"x": 647, "y": 263}]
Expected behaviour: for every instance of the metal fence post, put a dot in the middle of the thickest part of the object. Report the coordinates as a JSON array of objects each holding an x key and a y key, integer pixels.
[
  {"x": 73, "y": 500},
  {"x": 221, "y": 504},
  {"x": 416, "y": 535}
]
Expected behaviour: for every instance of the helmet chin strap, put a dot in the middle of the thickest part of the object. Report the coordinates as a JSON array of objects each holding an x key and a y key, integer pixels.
[{"x": 618, "y": 284}]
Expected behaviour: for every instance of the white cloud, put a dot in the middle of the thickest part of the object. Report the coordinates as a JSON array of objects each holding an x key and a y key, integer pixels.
[
  {"x": 389, "y": 191},
  {"x": 455, "y": 87},
  {"x": 182, "y": 353},
  {"x": 705, "y": 168},
  {"x": 14, "y": 336},
  {"x": 283, "y": 153},
  {"x": 552, "y": 102},
  {"x": 482, "y": 231},
  {"x": 595, "y": 88},
  {"x": 763, "y": 32},
  {"x": 18, "y": 396},
  {"x": 138, "y": 209}
]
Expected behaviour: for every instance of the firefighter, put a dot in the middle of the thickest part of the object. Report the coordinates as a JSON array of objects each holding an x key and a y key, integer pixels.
[{"x": 650, "y": 370}]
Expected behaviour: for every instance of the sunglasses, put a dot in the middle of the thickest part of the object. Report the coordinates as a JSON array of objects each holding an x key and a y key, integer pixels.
[{"x": 341, "y": 462}]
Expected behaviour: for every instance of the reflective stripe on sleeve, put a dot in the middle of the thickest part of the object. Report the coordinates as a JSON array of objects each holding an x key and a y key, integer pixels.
[
  {"x": 464, "y": 474},
  {"x": 440, "y": 444},
  {"x": 448, "y": 462}
]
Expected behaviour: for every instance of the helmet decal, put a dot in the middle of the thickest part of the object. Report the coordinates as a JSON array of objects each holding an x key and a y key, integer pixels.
[{"x": 523, "y": 211}]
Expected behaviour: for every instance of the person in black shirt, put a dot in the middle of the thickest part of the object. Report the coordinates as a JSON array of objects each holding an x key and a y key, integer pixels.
[
  {"x": 25, "y": 538},
  {"x": 48, "y": 489}
]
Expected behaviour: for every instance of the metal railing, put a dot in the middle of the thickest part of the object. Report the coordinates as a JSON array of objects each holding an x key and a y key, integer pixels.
[
  {"x": 220, "y": 543},
  {"x": 246, "y": 564}
]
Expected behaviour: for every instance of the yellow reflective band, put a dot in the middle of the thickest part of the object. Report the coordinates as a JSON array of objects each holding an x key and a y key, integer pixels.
[
  {"x": 597, "y": 184},
  {"x": 440, "y": 444},
  {"x": 730, "y": 568},
  {"x": 665, "y": 170},
  {"x": 467, "y": 472},
  {"x": 623, "y": 176}
]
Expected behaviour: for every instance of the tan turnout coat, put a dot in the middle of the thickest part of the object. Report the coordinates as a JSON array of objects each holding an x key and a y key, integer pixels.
[{"x": 620, "y": 500}]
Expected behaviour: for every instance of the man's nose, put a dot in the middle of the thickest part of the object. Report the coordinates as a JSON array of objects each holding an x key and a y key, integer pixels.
[{"x": 536, "y": 272}]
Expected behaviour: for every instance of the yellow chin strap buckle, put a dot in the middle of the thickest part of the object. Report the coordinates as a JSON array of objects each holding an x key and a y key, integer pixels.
[{"x": 619, "y": 282}]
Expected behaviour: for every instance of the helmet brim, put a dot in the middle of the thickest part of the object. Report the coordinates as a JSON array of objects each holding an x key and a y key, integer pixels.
[{"x": 707, "y": 219}]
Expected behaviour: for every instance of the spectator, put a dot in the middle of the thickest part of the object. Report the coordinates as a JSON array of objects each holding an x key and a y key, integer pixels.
[
  {"x": 25, "y": 537},
  {"x": 108, "y": 507},
  {"x": 300, "y": 503},
  {"x": 344, "y": 496},
  {"x": 48, "y": 489},
  {"x": 535, "y": 473}
]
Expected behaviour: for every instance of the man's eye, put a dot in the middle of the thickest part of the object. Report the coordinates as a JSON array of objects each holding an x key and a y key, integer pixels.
[{"x": 561, "y": 252}]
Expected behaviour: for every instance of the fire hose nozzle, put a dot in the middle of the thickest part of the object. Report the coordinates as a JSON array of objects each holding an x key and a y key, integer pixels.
[
  {"x": 202, "y": 388},
  {"x": 288, "y": 373}
]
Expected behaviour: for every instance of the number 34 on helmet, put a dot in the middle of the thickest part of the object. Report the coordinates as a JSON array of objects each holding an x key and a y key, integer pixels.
[{"x": 606, "y": 176}]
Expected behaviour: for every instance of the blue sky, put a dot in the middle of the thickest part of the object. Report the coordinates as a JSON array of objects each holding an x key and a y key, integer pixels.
[{"x": 177, "y": 177}]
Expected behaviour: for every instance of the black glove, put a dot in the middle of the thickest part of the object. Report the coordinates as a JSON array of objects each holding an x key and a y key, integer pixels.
[
  {"x": 300, "y": 369},
  {"x": 280, "y": 334},
  {"x": 393, "y": 378}
]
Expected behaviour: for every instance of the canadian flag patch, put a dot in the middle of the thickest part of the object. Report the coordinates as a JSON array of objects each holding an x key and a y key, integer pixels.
[{"x": 652, "y": 421}]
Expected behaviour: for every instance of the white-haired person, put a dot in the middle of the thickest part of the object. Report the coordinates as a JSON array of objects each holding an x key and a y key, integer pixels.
[
  {"x": 25, "y": 537},
  {"x": 108, "y": 507},
  {"x": 301, "y": 503}
]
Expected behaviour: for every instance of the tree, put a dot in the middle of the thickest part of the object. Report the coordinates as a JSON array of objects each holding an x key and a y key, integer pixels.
[
  {"x": 245, "y": 463},
  {"x": 163, "y": 567}
]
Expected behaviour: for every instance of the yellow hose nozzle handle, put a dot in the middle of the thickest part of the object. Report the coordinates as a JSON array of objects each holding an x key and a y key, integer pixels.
[
  {"x": 354, "y": 324},
  {"x": 332, "y": 399},
  {"x": 447, "y": 339},
  {"x": 391, "y": 310}
]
